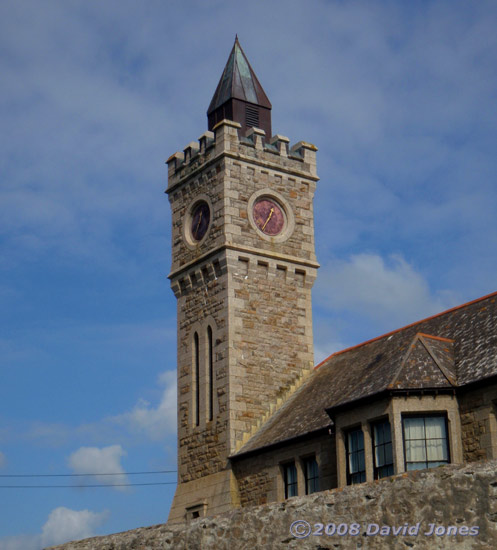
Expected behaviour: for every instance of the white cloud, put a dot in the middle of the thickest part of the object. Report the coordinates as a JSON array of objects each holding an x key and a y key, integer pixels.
[
  {"x": 95, "y": 460},
  {"x": 155, "y": 422},
  {"x": 63, "y": 525},
  {"x": 3, "y": 460},
  {"x": 390, "y": 290}
]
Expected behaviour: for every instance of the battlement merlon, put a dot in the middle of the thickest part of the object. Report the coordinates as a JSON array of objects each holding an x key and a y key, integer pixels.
[{"x": 300, "y": 159}]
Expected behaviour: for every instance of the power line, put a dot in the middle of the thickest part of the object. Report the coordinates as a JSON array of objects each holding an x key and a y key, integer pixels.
[
  {"x": 84, "y": 486},
  {"x": 98, "y": 474}
]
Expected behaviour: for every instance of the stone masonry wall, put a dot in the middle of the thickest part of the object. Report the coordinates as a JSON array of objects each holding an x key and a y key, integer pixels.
[
  {"x": 271, "y": 334},
  {"x": 425, "y": 507},
  {"x": 251, "y": 289},
  {"x": 199, "y": 281},
  {"x": 261, "y": 306},
  {"x": 259, "y": 476},
  {"x": 478, "y": 423},
  {"x": 202, "y": 449},
  {"x": 271, "y": 278}
]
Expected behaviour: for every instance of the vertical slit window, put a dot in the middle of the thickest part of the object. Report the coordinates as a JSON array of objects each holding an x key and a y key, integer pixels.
[
  {"x": 196, "y": 384},
  {"x": 211, "y": 373}
]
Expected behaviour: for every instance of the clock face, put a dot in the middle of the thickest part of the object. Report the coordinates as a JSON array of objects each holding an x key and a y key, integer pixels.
[
  {"x": 268, "y": 216},
  {"x": 201, "y": 217}
]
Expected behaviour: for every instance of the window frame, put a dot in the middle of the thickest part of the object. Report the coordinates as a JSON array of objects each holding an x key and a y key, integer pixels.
[
  {"x": 348, "y": 453},
  {"x": 290, "y": 486},
  {"x": 390, "y": 465},
  {"x": 311, "y": 480},
  {"x": 424, "y": 416}
]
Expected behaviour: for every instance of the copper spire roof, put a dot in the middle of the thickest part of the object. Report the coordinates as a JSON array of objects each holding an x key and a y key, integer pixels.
[
  {"x": 238, "y": 82},
  {"x": 239, "y": 96}
]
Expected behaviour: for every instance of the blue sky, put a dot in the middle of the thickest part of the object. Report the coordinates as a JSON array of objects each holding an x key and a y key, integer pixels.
[{"x": 399, "y": 97}]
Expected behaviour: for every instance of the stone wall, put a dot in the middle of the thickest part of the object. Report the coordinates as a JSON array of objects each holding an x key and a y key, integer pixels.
[
  {"x": 252, "y": 290},
  {"x": 426, "y": 507},
  {"x": 260, "y": 476},
  {"x": 478, "y": 423},
  {"x": 202, "y": 448},
  {"x": 271, "y": 335}
]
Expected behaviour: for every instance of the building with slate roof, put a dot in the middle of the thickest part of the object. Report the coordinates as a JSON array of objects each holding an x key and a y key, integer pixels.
[
  {"x": 257, "y": 422},
  {"x": 441, "y": 370}
]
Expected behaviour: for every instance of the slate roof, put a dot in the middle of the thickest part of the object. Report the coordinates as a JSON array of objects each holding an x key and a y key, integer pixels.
[
  {"x": 444, "y": 352},
  {"x": 238, "y": 81}
]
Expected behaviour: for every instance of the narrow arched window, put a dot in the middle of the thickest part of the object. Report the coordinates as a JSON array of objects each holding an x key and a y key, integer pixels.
[
  {"x": 211, "y": 372},
  {"x": 196, "y": 382}
]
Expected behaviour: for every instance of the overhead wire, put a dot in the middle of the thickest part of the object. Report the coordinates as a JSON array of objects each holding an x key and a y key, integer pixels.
[
  {"x": 109, "y": 486},
  {"x": 96, "y": 474},
  {"x": 89, "y": 485}
]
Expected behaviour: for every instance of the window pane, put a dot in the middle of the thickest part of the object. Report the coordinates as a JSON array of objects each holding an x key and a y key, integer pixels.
[
  {"x": 428, "y": 451},
  {"x": 436, "y": 449},
  {"x": 356, "y": 441},
  {"x": 291, "y": 473},
  {"x": 362, "y": 463},
  {"x": 378, "y": 434},
  {"x": 435, "y": 464},
  {"x": 312, "y": 468},
  {"x": 388, "y": 454},
  {"x": 387, "y": 432},
  {"x": 415, "y": 450},
  {"x": 311, "y": 476},
  {"x": 290, "y": 480},
  {"x": 414, "y": 428},
  {"x": 416, "y": 466},
  {"x": 355, "y": 457},
  {"x": 353, "y": 442},
  {"x": 353, "y": 464},
  {"x": 435, "y": 427},
  {"x": 380, "y": 455},
  {"x": 382, "y": 445}
]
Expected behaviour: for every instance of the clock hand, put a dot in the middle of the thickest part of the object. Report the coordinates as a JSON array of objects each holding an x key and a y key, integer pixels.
[
  {"x": 198, "y": 224},
  {"x": 268, "y": 218}
]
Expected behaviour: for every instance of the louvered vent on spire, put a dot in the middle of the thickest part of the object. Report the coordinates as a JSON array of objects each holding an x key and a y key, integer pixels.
[{"x": 239, "y": 96}]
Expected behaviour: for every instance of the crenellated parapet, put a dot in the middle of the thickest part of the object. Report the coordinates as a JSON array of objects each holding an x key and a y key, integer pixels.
[{"x": 299, "y": 159}]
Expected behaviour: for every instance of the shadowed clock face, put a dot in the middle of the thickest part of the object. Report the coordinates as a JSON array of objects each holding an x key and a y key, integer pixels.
[
  {"x": 268, "y": 216},
  {"x": 201, "y": 216}
]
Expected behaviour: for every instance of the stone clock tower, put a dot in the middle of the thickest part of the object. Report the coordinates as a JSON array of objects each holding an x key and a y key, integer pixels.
[{"x": 243, "y": 265}]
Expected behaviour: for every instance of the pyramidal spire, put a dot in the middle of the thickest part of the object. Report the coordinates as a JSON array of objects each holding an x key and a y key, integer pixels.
[{"x": 239, "y": 95}]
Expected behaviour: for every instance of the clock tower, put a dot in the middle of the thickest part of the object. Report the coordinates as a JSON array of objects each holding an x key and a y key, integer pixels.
[{"x": 243, "y": 265}]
